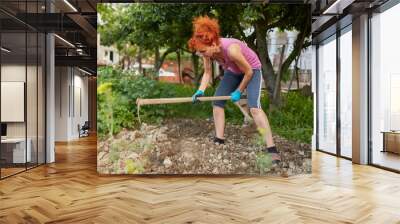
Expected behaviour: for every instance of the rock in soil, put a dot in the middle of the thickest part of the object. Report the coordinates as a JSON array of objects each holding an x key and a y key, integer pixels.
[{"x": 183, "y": 146}]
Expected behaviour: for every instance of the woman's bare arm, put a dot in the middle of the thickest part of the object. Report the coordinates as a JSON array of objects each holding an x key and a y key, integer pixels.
[
  {"x": 206, "y": 75},
  {"x": 235, "y": 54}
]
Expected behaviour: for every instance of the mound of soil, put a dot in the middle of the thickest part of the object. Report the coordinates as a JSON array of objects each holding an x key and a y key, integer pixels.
[{"x": 182, "y": 146}]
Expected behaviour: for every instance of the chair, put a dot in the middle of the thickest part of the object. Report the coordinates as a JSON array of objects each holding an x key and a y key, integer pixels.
[{"x": 84, "y": 130}]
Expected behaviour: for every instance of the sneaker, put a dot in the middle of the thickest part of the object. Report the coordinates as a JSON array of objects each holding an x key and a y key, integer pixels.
[
  {"x": 274, "y": 153},
  {"x": 219, "y": 140}
]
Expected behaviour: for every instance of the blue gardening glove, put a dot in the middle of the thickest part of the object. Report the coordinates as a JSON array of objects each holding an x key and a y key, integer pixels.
[
  {"x": 235, "y": 96},
  {"x": 197, "y": 94}
]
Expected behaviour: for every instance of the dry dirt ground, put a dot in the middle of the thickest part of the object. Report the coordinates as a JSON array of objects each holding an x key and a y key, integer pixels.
[{"x": 182, "y": 146}]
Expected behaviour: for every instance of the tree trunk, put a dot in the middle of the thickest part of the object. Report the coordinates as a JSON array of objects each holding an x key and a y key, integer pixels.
[
  {"x": 129, "y": 62},
  {"x": 140, "y": 60},
  {"x": 298, "y": 44},
  {"x": 291, "y": 81},
  {"x": 262, "y": 51},
  {"x": 294, "y": 75},
  {"x": 276, "y": 98},
  {"x": 156, "y": 58},
  {"x": 297, "y": 77},
  {"x": 121, "y": 63},
  {"x": 162, "y": 58},
  {"x": 178, "y": 56}
]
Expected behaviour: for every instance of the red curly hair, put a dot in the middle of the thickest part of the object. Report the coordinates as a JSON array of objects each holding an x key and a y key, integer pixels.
[{"x": 206, "y": 32}]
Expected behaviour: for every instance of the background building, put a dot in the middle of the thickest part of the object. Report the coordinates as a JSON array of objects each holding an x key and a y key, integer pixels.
[{"x": 106, "y": 55}]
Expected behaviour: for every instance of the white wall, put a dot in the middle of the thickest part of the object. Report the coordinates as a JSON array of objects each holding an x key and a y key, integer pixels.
[
  {"x": 13, "y": 101},
  {"x": 70, "y": 83},
  {"x": 33, "y": 126},
  {"x": 61, "y": 103},
  {"x": 11, "y": 73},
  {"x": 80, "y": 84}
]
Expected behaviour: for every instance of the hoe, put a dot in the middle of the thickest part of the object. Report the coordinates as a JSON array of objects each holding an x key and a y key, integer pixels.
[{"x": 141, "y": 102}]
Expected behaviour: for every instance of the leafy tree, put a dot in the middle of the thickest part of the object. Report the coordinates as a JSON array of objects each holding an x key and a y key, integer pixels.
[
  {"x": 262, "y": 19},
  {"x": 166, "y": 28},
  {"x": 109, "y": 27},
  {"x": 162, "y": 28}
]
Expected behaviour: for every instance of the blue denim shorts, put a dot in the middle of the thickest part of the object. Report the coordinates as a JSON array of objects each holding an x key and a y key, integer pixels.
[{"x": 230, "y": 82}]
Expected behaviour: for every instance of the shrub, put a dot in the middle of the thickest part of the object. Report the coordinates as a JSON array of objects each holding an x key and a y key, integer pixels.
[
  {"x": 294, "y": 120},
  {"x": 263, "y": 162},
  {"x": 118, "y": 91},
  {"x": 133, "y": 167}
]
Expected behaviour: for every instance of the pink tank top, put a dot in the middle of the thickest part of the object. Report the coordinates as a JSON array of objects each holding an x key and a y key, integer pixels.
[{"x": 248, "y": 53}]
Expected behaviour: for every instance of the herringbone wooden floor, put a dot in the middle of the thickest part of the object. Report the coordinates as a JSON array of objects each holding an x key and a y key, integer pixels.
[{"x": 70, "y": 191}]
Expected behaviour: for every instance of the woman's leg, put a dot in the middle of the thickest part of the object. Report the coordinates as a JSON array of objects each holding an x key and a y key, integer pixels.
[
  {"x": 261, "y": 120},
  {"x": 219, "y": 121},
  {"x": 228, "y": 84},
  {"x": 259, "y": 116}
]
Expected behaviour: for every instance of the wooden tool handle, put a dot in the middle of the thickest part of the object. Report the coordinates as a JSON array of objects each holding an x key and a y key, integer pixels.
[{"x": 179, "y": 100}]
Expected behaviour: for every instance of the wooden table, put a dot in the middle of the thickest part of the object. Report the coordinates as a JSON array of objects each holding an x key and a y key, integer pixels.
[{"x": 391, "y": 141}]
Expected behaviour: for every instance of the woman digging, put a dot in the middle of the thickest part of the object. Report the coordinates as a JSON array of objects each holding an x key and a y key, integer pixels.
[{"x": 242, "y": 70}]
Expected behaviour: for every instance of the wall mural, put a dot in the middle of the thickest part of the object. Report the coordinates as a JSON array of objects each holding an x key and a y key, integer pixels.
[{"x": 204, "y": 89}]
